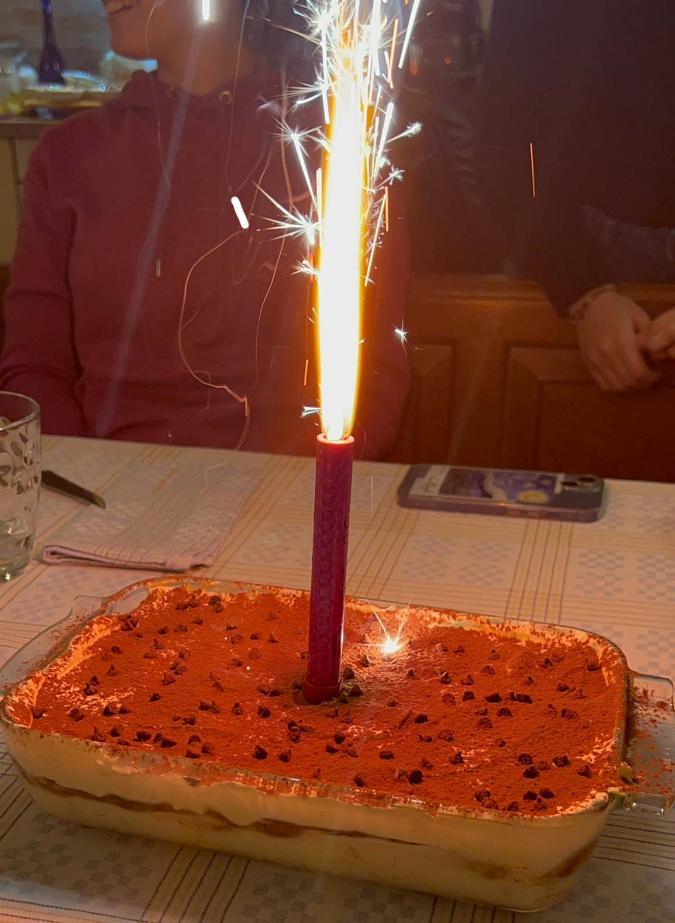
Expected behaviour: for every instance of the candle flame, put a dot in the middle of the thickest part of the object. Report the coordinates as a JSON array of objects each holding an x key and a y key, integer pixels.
[{"x": 341, "y": 247}]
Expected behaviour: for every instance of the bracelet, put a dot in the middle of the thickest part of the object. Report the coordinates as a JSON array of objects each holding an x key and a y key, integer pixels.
[{"x": 578, "y": 309}]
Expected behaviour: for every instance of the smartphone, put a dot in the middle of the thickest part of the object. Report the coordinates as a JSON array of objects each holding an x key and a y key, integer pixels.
[{"x": 539, "y": 494}]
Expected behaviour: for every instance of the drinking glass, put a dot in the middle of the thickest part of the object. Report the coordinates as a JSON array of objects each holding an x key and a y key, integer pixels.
[{"x": 19, "y": 480}]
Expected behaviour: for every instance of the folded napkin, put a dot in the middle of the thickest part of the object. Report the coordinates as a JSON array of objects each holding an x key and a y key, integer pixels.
[{"x": 167, "y": 517}]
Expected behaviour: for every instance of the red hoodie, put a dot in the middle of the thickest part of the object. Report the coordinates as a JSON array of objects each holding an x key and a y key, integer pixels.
[{"x": 127, "y": 209}]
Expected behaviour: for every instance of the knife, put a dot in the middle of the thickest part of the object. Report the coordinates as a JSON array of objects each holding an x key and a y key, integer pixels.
[{"x": 56, "y": 482}]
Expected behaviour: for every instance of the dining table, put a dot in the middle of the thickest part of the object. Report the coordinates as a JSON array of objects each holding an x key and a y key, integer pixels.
[{"x": 615, "y": 577}]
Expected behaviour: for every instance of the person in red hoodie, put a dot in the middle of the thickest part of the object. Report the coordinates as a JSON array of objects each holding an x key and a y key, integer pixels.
[{"x": 139, "y": 307}]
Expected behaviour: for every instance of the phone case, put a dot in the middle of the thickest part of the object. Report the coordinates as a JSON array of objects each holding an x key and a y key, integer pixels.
[{"x": 502, "y": 492}]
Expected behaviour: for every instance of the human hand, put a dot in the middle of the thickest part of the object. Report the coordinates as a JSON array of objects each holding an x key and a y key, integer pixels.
[
  {"x": 609, "y": 339},
  {"x": 658, "y": 337}
]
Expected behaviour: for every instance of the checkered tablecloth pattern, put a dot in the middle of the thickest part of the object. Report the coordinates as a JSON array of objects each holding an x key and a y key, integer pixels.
[{"x": 615, "y": 577}]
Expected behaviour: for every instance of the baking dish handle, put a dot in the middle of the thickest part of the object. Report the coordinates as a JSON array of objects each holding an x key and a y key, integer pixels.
[
  {"x": 42, "y": 647},
  {"x": 650, "y": 746}
]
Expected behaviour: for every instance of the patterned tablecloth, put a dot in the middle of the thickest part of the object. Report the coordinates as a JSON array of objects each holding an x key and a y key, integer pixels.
[{"x": 615, "y": 577}]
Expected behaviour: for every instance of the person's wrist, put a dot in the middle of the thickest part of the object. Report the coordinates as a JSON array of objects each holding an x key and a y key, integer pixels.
[{"x": 578, "y": 310}]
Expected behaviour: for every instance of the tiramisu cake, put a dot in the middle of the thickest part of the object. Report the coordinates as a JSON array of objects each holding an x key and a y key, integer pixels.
[{"x": 468, "y": 759}]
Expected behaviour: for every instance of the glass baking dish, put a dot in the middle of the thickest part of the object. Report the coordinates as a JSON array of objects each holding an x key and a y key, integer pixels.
[{"x": 517, "y": 862}]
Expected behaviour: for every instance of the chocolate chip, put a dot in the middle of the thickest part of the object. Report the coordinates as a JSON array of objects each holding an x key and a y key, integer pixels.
[
  {"x": 76, "y": 714},
  {"x": 191, "y": 754},
  {"x": 123, "y": 710},
  {"x": 197, "y": 622},
  {"x": 484, "y": 723},
  {"x": 123, "y": 743},
  {"x": 568, "y": 714},
  {"x": 150, "y": 655},
  {"x": 255, "y": 636},
  {"x": 143, "y": 735},
  {"x": 109, "y": 710},
  {"x": 562, "y": 687},
  {"x": 525, "y": 758},
  {"x": 115, "y": 649},
  {"x": 547, "y": 663},
  {"x": 181, "y": 606},
  {"x": 482, "y": 795},
  {"x": 285, "y": 756},
  {"x": 207, "y": 750},
  {"x": 495, "y": 655},
  {"x": 331, "y": 748},
  {"x": 260, "y": 753},
  {"x": 97, "y": 736},
  {"x": 561, "y": 761},
  {"x": 481, "y": 711},
  {"x": 339, "y": 738},
  {"x": 219, "y": 607},
  {"x": 404, "y": 720},
  {"x": 446, "y": 735},
  {"x": 166, "y": 742},
  {"x": 504, "y": 713},
  {"x": 37, "y": 712},
  {"x": 115, "y": 731},
  {"x": 218, "y": 685},
  {"x": 190, "y": 719},
  {"x": 386, "y": 754},
  {"x": 546, "y": 793},
  {"x": 180, "y": 669},
  {"x": 585, "y": 771},
  {"x": 236, "y": 662},
  {"x": 448, "y": 698},
  {"x": 237, "y": 709},
  {"x": 272, "y": 638},
  {"x": 355, "y": 691},
  {"x": 521, "y": 697},
  {"x": 254, "y": 654},
  {"x": 271, "y": 691},
  {"x": 513, "y": 806},
  {"x": 529, "y": 681},
  {"x": 90, "y": 690},
  {"x": 458, "y": 650},
  {"x": 421, "y": 718},
  {"x": 467, "y": 696},
  {"x": 294, "y": 735},
  {"x": 425, "y": 738},
  {"x": 493, "y": 697},
  {"x": 210, "y": 707},
  {"x": 500, "y": 742},
  {"x": 488, "y": 669},
  {"x": 181, "y": 629},
  {"x": 531, "y": 772},
  {"x": 416, "y": 777},
  {"x": 593, "y": 667},
  {"x": 230, "y": 627},
  {"x": 411, "y": 674},
  {"x": 168, "y": 679},
  {"x": 540, "y": 804},
  {"x": 445, "y": 678},
  {"x": 351, "y": 751},
  {"x": 157, "y": 645},
  {"x": 359, "y": 781},
  {"x": 467, "y": 680},
  {"x": 163, "y": 631},
  {"x": 457, "y": 758},
  {"x": 530, "y": 796},
  {"x": 214, "y": 600},
  {"x": 194, "y": 739},
  {"x": 348, "y": 673},
  {"x": 263, "y": 711}
]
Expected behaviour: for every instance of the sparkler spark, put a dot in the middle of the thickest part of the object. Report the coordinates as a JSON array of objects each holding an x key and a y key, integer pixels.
[
  {"x": 356, "y": 44},
  {"x": 239, "y": 212},
  {"x": 206, "y": 10},
  {"x": 401, "y": 334}
]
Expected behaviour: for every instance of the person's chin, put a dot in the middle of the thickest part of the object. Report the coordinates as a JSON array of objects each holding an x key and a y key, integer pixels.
[{"x": 127, "y": 48}]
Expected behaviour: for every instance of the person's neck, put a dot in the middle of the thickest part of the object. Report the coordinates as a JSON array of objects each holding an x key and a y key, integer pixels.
[{"x": 215, "y": 61}]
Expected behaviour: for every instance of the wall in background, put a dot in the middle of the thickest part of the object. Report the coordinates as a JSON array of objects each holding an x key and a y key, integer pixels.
[{"x": 80, "y": 29}]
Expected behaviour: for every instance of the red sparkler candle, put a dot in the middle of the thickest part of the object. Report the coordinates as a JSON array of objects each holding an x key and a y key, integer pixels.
[{"x": 329, "y": 567}]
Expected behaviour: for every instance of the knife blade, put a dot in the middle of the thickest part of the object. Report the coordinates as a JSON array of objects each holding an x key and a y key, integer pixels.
[{"x": 63, "y": 485}]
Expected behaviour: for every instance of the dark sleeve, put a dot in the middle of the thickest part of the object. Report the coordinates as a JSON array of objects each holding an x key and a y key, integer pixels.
[
  {"x": 539, "y": 66},
  {"x": 39, "y": 356},
  {"x": 385, "y": 368}
]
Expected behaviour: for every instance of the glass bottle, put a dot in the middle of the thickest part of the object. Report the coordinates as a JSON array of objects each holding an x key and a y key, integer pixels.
[{"x": 52, "y": 64}]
